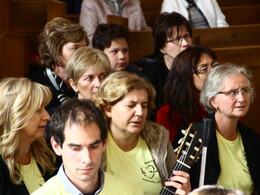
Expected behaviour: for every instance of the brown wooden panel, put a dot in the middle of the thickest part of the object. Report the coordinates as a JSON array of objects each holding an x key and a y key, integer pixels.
[
  {"x": 149, "y": 5},
  {"x": 240, "y": 35},
  {"x": 238, "y": 15},
  {"x": 118, "y": 20},
  {"x": 15, "y": 55},
  {"x": 141, "y": 44},
  {"x": 31, "y": 16},
  {"x": 224, "y": 3}
]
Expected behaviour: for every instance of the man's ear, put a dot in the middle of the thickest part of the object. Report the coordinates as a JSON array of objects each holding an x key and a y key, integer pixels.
[
  {"x": 104, "y": 144},
  {"x": 56, "y": 146},
  {"x": 73, "y": 85}
]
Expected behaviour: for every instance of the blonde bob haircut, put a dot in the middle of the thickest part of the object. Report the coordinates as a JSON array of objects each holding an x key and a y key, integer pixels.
[
  {"x": 86, "y": 58},
  {"x": 20, "y": 98},
  {"x": 117, "y": 85}
]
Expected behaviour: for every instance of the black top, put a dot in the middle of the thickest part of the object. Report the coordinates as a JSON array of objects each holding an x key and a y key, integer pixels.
[
  {"x": 155, "y": 71},
  {"x": 9, "y": 188},
  {"x": 60, "y": 95},
  {"x": 251, "y": 142}
]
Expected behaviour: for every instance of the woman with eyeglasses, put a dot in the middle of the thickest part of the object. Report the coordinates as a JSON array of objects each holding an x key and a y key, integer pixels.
[
  {"x": 233, "y": 155},
  {"x": 172, "y": 34},
  {"x": 182, "y": 90}
]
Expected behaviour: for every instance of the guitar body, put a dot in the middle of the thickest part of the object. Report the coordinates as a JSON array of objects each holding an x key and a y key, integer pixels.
[{"x": 188, "y": 153}]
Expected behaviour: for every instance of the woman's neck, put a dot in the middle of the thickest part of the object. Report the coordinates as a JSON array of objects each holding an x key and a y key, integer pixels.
[
  {"x": 168, "y": 61},
  {"x": 125, "y": 141},
  {"x": 227, "y": 127}
]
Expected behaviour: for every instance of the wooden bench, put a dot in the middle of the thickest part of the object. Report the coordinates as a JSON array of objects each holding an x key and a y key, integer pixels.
[
  {"x": 239, "y": 35},
  {"x": 237, "y": 15},
  {"x": 224, "y": 3},
  {"x": 23, "y": 20}
]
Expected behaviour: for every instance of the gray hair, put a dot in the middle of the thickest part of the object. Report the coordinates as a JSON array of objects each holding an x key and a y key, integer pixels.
[{"x": 215, "y": 79}]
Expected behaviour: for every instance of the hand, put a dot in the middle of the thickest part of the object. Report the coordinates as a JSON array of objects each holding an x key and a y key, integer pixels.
[{"x": 181, "y": 181}]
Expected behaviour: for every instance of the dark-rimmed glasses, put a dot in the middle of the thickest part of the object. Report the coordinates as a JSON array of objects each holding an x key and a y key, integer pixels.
[
  {"x": 204, "y": 69},
  {"x": 233, "y": 93}
]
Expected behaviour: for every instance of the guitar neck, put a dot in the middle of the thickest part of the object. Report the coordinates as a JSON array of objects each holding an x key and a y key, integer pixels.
[{"x": 179, "y": 166}]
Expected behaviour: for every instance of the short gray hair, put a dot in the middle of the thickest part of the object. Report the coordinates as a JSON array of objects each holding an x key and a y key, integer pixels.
[{"x": 215, "y": 79}]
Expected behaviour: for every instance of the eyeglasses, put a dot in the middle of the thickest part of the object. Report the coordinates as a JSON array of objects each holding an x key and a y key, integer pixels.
[
  {"x": 179, "y": 39},
  {"x": 204, "y": 69},
  {"x": 233, "y": 93}
]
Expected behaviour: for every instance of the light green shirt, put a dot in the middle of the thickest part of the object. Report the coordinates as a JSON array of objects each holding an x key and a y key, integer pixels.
[
  {"x": 136, "y": 166},
  {"x": 234, "y": 172},
  {"x": 32, "y": 176}
]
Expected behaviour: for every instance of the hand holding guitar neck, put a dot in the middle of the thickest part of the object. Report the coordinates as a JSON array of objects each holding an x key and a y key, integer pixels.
[{"x": 188, "y": 153}]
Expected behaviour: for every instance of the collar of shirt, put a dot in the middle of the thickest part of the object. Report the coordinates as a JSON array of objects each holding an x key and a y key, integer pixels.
[{"x": 69, "y": 187}]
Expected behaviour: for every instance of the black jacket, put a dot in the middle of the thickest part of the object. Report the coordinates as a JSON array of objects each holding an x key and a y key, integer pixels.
[{"x": 251, "y": 142}]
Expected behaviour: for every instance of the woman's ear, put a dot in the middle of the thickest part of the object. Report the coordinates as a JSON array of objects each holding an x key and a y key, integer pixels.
[
  {"x": 73, "y": 85},
  {"x": 213, "y": 102},
  {"x": 108, "y": 111},
  {"x": 163, "y": 50}
]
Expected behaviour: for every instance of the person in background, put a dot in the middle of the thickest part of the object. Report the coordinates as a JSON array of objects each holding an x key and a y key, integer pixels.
[
  {"x": 137, "y": 151},
  {"x": 182, "y": 90},
  {"x": 58, "y": 41},
  {"x": 172, "y": 34},
  {"x": 86, "y": 69},
  {"x": 79, "y": 136},
  {"x": 215, "y": 190},
  {"x": 113, "y": 40},
  {"x": 233, "y": 153},
  {"x": 26, "y": 162},
  {"x": 94, "y": 12},
  {"x": 200, "y": 13}
]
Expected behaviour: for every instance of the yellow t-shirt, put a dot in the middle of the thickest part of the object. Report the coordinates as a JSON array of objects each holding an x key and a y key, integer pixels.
[
  {"x": 136, "y": 166},
  {"x": 234, "y": 172},
  {"x": 32, "y": 176}
]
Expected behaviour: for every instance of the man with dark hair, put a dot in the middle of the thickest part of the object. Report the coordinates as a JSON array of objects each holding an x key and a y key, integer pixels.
[{"x": 79, "y": 136}]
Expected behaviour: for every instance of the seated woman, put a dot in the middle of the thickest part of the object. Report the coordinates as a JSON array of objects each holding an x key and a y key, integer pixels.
[
  {"x": 86, "y": 69},
  {"x": 94, "y": 12},
  {"x": 182, "y": 90},
  {"x": 137, "y": 150},
  {"x": 200, "y": 13},
  {"x": 113, "y": 40},
  {"x": 172, "y": 34},
  {"x": 58, "y": 41},
  {"x": 233, "y": 155},
  {"x": 25, "y": 160}
]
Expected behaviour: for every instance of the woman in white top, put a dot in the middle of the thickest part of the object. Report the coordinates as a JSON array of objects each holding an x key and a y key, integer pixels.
[{"x": 209, "y": 9}]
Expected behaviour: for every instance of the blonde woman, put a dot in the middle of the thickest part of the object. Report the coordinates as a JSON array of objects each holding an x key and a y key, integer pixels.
[
  {"x": 86, "y": 69},
  {"x": 137, "y": 151},
  {"x": 25, "y": 160}
]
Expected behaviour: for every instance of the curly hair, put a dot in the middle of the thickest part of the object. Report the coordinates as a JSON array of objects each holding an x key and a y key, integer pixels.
[
  {"x": 20, "y": 98},
  {"x": 55, "y": 35},
  {"x": 117, "y": 85},
  {"x": 106, "y": 33}
]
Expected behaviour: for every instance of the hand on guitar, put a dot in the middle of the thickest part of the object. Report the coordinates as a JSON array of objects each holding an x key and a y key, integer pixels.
[{"x": 181, "y": 181}]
